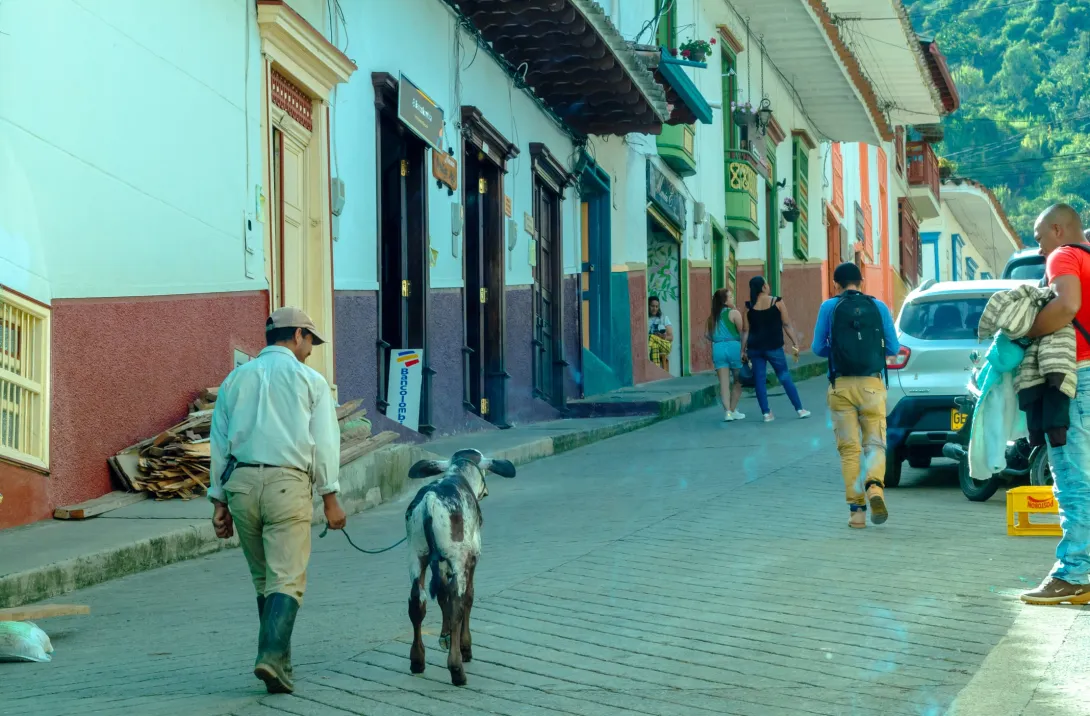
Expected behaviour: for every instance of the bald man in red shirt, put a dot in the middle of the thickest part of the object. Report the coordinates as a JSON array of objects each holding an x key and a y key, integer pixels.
[{"x": 1067, "y": 268}]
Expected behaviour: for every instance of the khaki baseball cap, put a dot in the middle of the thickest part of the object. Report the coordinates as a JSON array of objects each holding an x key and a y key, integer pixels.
[{"x": 292, "y": 317}]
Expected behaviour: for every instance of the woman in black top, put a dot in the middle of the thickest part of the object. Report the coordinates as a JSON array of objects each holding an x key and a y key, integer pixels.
[{"x": 764, "y": 324}]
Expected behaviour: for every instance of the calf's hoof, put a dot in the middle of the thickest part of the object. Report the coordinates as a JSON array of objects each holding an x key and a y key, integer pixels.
[
  {"x": 458, "y": 677},
  {"x": 444, "y": 642},
  {"x": 417, "y": 667},
  {"x": 467, "y": 653}
]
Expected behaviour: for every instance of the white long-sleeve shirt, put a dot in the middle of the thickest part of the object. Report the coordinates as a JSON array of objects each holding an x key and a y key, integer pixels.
[{"x": 274, "y": 410}]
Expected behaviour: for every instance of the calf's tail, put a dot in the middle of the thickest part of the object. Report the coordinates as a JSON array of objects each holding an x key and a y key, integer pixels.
[{"x": 434, "y": 557}]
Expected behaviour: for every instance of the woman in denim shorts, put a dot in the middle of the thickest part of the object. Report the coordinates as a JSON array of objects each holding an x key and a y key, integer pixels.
[{"x": 725, "y": 332}]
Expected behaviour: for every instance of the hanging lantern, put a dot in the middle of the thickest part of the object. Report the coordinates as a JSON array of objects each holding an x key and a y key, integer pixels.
[{"x": 764, "y": 113}]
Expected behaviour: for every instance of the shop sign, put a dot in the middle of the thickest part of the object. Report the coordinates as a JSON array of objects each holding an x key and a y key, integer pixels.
[
  {"x": 445, "y": 168},
  {"x": 420, "y": 114},
  {"x": 666, "y": 196},
  {"x": 403, "y": 387}
]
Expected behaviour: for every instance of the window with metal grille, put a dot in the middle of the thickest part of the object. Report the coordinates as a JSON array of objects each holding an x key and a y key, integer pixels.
[{"x": 24, "y": 381}]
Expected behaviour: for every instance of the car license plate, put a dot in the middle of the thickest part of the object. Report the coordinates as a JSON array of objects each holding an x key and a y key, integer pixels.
[{"x": 957, "y": 419}]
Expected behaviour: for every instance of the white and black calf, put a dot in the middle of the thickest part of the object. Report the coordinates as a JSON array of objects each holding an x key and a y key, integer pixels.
[{"x": 443, "y": 530}]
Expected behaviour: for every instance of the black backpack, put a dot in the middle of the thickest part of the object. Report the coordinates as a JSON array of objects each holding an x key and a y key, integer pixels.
[{"x": 857, "y": 337}]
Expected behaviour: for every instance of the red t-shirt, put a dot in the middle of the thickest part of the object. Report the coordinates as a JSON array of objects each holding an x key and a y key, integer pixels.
[{"x": 1067, "y": 261}]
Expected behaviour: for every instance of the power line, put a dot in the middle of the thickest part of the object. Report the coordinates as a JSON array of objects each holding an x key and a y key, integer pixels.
[
  {"x": 921, "y": 12},
  {"x": 1037, "y": 159}
]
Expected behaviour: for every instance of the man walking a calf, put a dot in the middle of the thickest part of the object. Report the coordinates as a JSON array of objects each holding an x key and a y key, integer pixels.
[
  {"x": 274, "y": 435},
  {"x": 856, "y": 333}
]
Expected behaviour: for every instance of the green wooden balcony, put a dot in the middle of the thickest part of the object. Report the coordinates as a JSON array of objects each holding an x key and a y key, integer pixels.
[
  {"x": 677, "y": 148},
  {"x": 742, "y": 217}
]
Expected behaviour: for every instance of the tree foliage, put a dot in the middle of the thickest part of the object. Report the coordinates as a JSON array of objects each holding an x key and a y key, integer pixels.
[{"x": 1022, "y": 70}]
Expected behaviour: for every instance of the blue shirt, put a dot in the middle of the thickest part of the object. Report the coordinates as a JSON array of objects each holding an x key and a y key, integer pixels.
[{"x": 823, "y": 329}]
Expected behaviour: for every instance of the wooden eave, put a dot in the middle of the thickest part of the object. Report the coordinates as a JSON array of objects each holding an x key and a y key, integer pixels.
[
  {"x": 594, "y": 83},
  {"x": 549, "y": 169},
  {"x": 940, "y": 75},
  {"x": 483, "y": 134}
]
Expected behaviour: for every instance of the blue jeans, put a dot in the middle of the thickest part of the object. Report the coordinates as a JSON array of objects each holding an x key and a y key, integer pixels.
[
  {"x": 761, "y": 360},
  {"x": 1071, "y": 473}
]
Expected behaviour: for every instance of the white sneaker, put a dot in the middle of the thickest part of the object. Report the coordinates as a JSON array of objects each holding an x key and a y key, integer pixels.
[
  {"x": 804, "y": 414},
  {"x": 739, "y": 416},
  {"x": 769, "y": 417},
  {"x": 728, "y": 416}
]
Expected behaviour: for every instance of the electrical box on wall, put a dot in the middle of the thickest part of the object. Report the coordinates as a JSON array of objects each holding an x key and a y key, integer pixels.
[
  {"x": 251, "y": 238},
  {"x": 241, "y": 358},
  {"x": 699, "y": 213},
  {"x": 457, "y": 220},
  {"x": 336, "y": 189}
]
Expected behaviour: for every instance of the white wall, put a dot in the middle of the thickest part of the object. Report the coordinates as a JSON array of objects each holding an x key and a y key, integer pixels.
[
  {"x": 380, "y": 39},
  {"x": 947, "y": 225},
  {"x": 123, "y": 146}
]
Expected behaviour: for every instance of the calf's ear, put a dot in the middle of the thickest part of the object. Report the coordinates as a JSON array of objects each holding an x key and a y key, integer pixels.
[
  {"x": 503, "y": 468},
  {"x": 427, "y": 468}
]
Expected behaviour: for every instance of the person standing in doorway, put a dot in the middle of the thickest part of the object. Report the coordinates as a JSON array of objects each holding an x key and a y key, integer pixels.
[
  {"x": 856, "y": 333},
  {"x": 725, "y": 333},
  {"x": 274, "y": 435},
  {"x": 1067, "y": 268},
  {"x": 660, "y": 334},
  {"x": 764, "y": 324}
]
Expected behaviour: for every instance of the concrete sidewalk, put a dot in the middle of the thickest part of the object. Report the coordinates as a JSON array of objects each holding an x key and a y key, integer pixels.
[{"x": 51, "y": 558}]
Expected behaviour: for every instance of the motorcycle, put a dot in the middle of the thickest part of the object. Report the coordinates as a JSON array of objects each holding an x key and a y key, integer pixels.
[{"x": 1023, "y": 460}]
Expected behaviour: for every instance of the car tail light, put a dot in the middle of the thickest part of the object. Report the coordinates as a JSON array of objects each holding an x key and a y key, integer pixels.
[{"x": 900, "y": 360}]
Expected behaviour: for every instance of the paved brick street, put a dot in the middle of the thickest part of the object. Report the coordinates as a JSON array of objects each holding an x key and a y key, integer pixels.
[{"x": 694, "y": 567}]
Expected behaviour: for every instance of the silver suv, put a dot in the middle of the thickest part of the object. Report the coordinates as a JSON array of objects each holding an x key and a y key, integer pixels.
[{"x": 937, "y": 331}]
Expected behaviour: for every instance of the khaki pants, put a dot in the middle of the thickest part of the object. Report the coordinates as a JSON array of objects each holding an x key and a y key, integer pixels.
[
  {"x": 858, "y": 407},
  {"x": 271, "y": 510}
]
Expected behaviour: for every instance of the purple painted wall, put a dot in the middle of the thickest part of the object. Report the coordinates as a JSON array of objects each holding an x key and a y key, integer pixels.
[
  {"x": 357, "y": 355},
  {"x": 522, "y": 407},
  {"x": 446, "y": 336}
]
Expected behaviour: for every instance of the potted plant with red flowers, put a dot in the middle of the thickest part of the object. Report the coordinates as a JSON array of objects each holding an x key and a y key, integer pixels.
[
  {"x": 696, "y": 50},
  {"x": 790, "y": 210}
]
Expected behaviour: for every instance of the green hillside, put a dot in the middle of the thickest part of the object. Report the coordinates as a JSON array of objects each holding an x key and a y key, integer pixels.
[{"x": 1022, "y": 68}]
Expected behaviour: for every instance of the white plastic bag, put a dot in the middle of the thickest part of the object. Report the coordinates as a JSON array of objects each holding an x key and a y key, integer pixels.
[{"x": 24, "y": 641}]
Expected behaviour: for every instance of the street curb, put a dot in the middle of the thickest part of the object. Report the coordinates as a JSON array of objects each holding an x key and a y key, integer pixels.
[{"x": 374, "y": 479}]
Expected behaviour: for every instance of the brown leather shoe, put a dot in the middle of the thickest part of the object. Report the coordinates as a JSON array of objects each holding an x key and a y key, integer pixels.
[
  {"x": 876, "y": 496},
  {"x": 858, "y": 519},
  {"x": 1057, "y": 591}
]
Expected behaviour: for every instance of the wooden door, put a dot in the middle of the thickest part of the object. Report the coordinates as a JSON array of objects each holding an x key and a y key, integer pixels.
[
  {"x": 475, "y": 213},
  {"x": 403, "y": 260},
  {"x": 832, "y": 242},
  {"x": 719, "y": 260},
  {"x": 584, "y": 276},
  {"x": 485, "y": 283},
  {"x": 547, "y": 290},
  {"x": 300, "y": 261}
]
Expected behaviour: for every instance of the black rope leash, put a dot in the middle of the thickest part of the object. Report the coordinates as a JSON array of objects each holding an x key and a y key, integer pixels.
[{"x": 360, "y": 549}]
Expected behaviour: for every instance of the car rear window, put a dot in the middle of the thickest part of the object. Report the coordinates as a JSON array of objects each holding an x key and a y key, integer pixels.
[
  {"x": 943, "y": 319},
  {"x": 1029, "y": 271}
]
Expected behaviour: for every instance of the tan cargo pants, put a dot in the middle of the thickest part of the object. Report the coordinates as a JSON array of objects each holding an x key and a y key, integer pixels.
[
  {"x": 271, "y": 509},
  {"x": 858, "y": 407}
]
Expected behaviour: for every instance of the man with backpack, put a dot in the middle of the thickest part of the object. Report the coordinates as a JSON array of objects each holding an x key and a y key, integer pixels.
[
  {"x": 855, "y": 332},
  {"x": 1059, "y": 233}
]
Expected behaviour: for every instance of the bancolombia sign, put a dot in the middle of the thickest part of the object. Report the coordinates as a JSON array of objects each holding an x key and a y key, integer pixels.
[
  {"x": 420, "y": 114},
  {"x": 403, "y": 387}
]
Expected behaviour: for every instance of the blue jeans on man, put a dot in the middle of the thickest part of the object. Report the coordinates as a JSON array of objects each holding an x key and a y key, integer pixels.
[
  {"x": 1070, "y": 465},
  {"x": 776, "y": 358}
]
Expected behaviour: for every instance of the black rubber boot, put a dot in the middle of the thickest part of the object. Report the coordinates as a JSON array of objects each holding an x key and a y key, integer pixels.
[
  {"x": 274, "y": 644},
  {"x": 260, "y": 612}
]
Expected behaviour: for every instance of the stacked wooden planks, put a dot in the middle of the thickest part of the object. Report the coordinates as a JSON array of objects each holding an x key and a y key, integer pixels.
[
  {"x": 174, "y": 463},
  {"x": 177, "y": 461}
]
